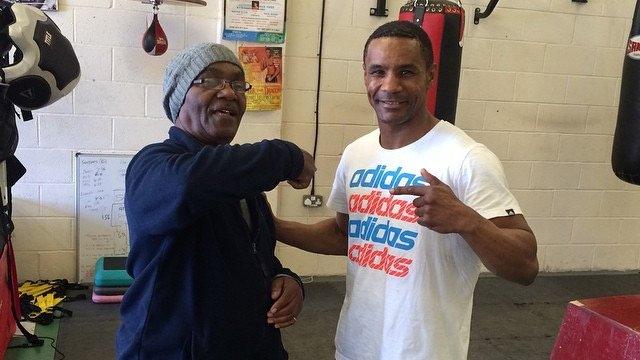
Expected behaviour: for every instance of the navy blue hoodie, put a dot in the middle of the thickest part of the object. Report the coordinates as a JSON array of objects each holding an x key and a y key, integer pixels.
[{"x": 202, "y": 275}]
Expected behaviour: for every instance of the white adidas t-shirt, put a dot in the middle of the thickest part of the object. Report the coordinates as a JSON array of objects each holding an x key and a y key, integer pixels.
[{"x": 409, "y": 289}]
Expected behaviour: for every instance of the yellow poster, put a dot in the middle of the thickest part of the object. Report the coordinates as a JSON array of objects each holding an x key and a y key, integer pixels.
[{"x": 263, "y": 70}]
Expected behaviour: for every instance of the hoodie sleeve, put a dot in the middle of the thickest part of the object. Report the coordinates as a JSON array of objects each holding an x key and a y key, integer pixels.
[
  {"x": 167, "y": 187},
  {"x": 287, "y": 272}
]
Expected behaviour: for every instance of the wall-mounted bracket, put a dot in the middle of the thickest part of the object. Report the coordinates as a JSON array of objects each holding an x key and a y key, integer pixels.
[
  {"x": 380, "y": 9},
  {"x": 481, "y": 15},
  {"x": 160, "y": 2}
]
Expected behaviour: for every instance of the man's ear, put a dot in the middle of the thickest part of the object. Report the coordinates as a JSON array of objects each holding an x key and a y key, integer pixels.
[
  {"x": 178, "y": 122},
  {"x": 364, "y": 74},
  {"x": 431, "y": 73}
]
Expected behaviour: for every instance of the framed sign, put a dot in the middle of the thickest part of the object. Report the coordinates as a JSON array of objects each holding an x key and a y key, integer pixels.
[
  {"x": 263, "y": 69},
  {"x": 45, "y": 5},
  {"x": 260, "y": 21}
]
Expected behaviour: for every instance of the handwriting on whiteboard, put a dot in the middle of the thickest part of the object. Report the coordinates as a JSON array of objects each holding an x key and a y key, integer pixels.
[{"x": 102, "y": 222}]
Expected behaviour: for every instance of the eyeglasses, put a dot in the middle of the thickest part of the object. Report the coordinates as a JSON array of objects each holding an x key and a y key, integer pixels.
[{"x": 218, "y": 84}]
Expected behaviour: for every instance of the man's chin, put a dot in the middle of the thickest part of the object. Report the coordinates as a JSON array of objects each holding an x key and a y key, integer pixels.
[
  {"x": 390, "y": 119},
  {"x": 224, "y": 119}
]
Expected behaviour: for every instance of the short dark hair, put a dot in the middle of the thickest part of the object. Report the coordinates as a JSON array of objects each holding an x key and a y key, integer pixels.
[{"x": 403, "y": 29}]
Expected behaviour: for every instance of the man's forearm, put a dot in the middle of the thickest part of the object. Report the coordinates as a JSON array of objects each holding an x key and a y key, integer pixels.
[
  {"x": 509, "y": 252},
  {"x": 324, "y": 237}
]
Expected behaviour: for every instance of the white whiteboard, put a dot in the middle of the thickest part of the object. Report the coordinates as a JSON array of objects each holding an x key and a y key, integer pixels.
[{"x": 100, "y": 218}]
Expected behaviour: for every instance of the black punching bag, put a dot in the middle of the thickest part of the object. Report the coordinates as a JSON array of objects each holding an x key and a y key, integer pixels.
[
  {"x": 625, "y": 157},
  {"x": 443, "y": 21}
]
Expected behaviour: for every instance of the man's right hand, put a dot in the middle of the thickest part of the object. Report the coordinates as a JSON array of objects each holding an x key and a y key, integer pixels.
[{"x": 308, "y": 170}]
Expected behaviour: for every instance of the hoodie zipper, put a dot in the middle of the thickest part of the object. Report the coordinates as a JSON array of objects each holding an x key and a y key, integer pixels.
[
  {"x": 253, "y": 245},
  {"x": 254, "y": 251}
]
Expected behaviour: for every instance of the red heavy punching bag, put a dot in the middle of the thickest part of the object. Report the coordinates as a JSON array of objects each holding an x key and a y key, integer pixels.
[
  {"x": 625, "y": 157},
  {"x": 443, "y": 21}
]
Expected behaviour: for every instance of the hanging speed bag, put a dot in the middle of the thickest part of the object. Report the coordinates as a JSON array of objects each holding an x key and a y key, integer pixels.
[
  {"x": 154, "y": 41},
  {"x": 443, "y": 21},
  {"x": 625, "y": 157}
]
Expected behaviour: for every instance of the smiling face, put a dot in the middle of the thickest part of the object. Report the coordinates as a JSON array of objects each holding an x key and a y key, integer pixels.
[
  {"x": 397, "y": 79},
  {"x": 213, "y": 115}
]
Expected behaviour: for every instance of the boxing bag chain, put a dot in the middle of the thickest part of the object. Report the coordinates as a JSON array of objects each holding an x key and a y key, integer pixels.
[{"x": 625, "y": 156}]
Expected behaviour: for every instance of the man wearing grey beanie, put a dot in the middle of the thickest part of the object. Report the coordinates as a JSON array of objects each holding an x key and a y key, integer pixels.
[{"x": 207, "y": 284}]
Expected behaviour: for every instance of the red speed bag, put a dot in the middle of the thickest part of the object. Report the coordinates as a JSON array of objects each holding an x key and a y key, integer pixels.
[
  {"x": 154, "y": 40},
  {"x": 443, "y": 21},
  {"x": 625, "y": 156}
]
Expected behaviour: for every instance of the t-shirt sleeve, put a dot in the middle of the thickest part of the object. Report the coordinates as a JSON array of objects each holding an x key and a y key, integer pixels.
[
  {"x": 482, "y": 185},
  {"x": 338, "y": 198}
]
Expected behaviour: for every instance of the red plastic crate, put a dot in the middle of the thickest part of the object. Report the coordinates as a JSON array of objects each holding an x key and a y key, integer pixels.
[
  {"x": 601, "y": 328},
  {"x": 7, "y": 324}
]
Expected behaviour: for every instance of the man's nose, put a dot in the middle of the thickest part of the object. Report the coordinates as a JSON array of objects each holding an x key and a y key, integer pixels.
[{"x": 391, "y": 83}]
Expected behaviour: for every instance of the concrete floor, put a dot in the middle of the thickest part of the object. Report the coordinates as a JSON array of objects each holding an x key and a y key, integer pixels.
[{"x": 509, "y": 321}]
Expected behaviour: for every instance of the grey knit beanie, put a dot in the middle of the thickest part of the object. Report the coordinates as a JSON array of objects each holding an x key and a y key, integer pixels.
[{"x": 185, "y": 67}]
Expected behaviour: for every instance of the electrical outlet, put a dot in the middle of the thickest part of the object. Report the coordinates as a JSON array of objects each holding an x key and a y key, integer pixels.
[{"x": 312, "y": 200}]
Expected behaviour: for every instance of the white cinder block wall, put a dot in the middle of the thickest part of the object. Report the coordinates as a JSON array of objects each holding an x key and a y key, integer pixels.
[
  {"x": 116, "y": 108},
  {"x": 539, "y": 86}
]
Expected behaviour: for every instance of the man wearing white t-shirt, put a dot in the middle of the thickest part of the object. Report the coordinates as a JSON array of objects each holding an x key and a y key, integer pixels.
[{"x": 420, "y": 207}]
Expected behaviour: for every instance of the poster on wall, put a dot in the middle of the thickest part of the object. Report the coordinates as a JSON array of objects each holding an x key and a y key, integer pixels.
[
  {"x": 263, "y": 69},
  {"x": 46, "y": 5},
  {"x": 259, "y": 21}
]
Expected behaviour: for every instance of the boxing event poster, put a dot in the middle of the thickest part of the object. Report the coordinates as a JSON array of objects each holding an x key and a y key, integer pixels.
[
  {"x": 46, "y": 5},
  {"x": 263, "y": 70},
  {"x": 258, "y": 21}
]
